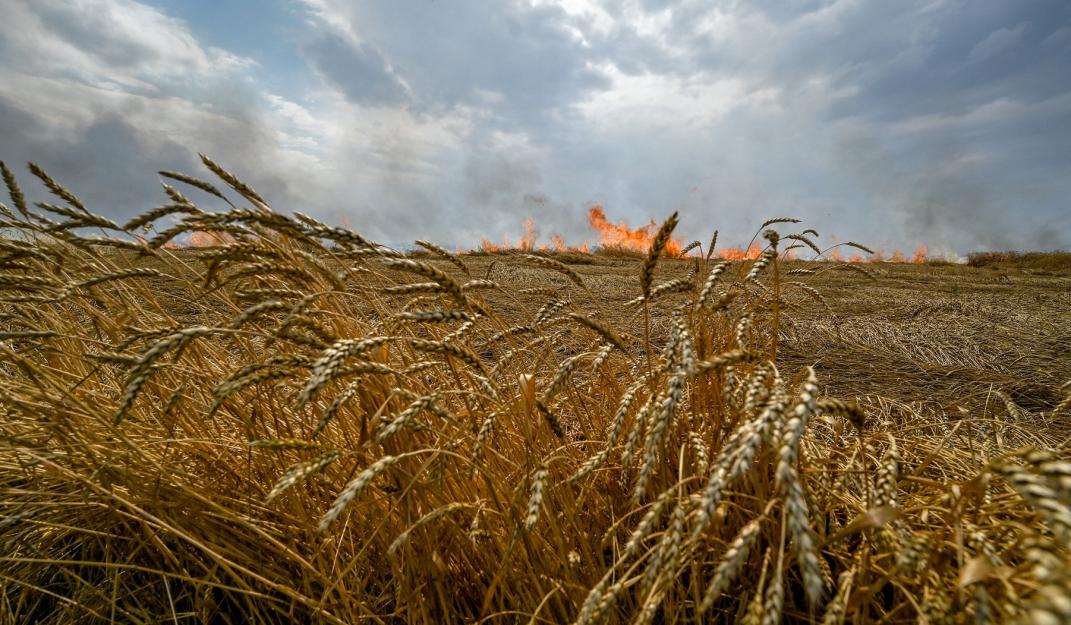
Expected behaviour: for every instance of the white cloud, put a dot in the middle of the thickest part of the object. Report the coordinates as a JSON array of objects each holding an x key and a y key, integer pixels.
[
  {"x": 655, "y": 101},
  {"x": 591, "y": 17},
  {"x": 109, "y": 42}
]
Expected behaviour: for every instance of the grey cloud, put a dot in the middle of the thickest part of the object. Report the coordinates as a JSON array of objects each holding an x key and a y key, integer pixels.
[
  {"x": 111, "y": 164},
  {"x": 996, "y": 42},
  {"x": 106, "y": 142},
  {"x": 357, "y": 69},
  {"x": 105, "y": 166},
  {"x": 868, "y": 119},
  {"x": 465, "y": 52},
  {"x": 883, "y": 64},
  {"x": 949, "y": 75}
]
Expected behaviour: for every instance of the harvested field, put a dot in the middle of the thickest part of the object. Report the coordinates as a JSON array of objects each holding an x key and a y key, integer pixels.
[
  {"x": 1045, "y": 263},
  {"x": 302, "y": 426},
  {"x": 944, "y": 335}
]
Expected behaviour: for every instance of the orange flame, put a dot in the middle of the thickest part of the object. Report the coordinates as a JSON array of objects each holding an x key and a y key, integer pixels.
[
  {"x": 919, "y": 256},
  {"x": 736, "y": 253},
  {"x": 621, "y": 236},
  {"x": 528, "y": 239},
  {"x": 610, "y": 235},
  {"x": 210, "y": 239},
  {"x": 199, "y": 238},
  {"x": 559, "y": 245},
  {"x": 527, "y": 242}
]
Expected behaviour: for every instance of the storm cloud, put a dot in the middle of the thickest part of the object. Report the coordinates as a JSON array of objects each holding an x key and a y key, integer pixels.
[{"x": 939, "y": 122}]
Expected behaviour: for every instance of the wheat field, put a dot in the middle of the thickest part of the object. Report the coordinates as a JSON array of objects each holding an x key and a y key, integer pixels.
[{"x": 298, "y": 425}]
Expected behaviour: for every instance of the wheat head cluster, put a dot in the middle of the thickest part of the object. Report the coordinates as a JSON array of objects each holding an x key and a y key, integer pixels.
[{"x": 299, "y": 425}]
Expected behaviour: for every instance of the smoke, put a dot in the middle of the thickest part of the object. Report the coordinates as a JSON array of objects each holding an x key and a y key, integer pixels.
[{"x": 941, "y": 192}]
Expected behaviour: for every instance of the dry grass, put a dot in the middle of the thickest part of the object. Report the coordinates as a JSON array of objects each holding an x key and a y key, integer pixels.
[
  {"x": 1038, "y": 261},
  {"x": 286, "y": 429}
]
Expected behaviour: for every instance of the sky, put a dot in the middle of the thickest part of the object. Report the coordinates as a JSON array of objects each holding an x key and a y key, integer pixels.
[{"x": 940, "y": 122}]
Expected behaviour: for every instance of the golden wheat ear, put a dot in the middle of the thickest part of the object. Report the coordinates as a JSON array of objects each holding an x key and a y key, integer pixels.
[
  {"x": 658, "y": 245},
  {"x": 233, "y": 182}
]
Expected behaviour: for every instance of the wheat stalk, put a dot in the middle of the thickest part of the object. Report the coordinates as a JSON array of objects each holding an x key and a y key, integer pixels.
[
  {"x": 658, "y": 244},
  {"x": 555, "y": 265}
]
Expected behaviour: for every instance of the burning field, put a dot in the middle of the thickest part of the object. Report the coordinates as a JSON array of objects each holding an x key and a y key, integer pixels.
[
  {"x": 620, "y": 238},
  {"x": 281, "y": 421}
]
